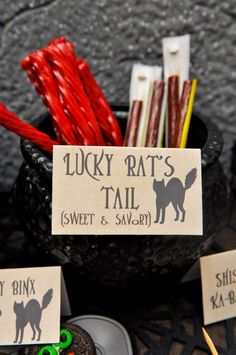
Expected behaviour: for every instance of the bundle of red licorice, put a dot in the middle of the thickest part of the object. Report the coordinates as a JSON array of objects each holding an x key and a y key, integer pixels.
[{"x": 78, "y": 108}]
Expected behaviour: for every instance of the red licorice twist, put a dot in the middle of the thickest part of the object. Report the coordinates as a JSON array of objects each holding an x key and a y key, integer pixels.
[
  {"x": 75, "y": 100},
  {"x": 11, "y": 122},
  {"x": 104, "y": 114},
  {"x": 79, "y": 111},
  {"x": 44, "y": 82},
  {"x": 55, "y": 75}
]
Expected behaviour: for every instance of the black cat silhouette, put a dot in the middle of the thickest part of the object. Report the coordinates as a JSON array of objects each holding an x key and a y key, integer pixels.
[
  {"x": 173, "y": 192},
  {"x": 30, "y": 313}
]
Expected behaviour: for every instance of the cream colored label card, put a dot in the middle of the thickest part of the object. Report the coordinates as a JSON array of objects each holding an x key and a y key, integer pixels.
[
  {"x": 120, "y": 190},
  {"x": 30, "y": 302},
  {"x": 218, "y": 274}
]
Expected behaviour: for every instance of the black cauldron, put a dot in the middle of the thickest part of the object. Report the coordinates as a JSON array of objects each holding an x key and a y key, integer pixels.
[{"x": 122, "y": 260}]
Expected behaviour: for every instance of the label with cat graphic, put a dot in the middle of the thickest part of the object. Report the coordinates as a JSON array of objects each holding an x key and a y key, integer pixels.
[
  {"x": 218, "y": 276},
  {"x": 121, "y": 190},
  {"x": 30, "y": 305}
]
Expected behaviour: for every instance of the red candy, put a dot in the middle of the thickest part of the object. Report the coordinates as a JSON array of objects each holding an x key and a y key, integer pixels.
[
  {"x": 10, "y": 121},
  {"x": 79, "y": 111},
  {"x": 104, "y": 114}
]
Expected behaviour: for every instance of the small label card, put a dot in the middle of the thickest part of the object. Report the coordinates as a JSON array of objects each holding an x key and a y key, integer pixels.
[
  {"x": 218, "y": 274},
  {"x": 121, "y": 190},
  {"x": 30, "y": 306}
]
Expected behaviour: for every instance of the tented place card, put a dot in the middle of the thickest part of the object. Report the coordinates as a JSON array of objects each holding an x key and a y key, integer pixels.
[
  {"x": 30, "y": 306},
  {"x": 120, "y": 190},
  {"x": 218, "y": 274}
]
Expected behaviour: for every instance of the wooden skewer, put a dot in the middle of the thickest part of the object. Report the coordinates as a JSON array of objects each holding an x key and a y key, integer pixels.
[{"x": 209, "y": 342}]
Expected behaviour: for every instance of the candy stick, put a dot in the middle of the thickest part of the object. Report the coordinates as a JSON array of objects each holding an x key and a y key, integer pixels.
[
  {"x": 85, "y": 131},
  {"x": 67, "y": 50},
  {"x": 173, "y": 103},
  {"x": 209, "y": 342},
  {"x": 50, "y": 96},
  {"x": 57, "y": 78},
  {"x": 187, "y": 120},
  {"x": 63, "y": 93},
  {"x": 42, "y": 78},
  {"x": 74, "y": 98},
  {"x": 58, "y": 40},
  {"x": 39, "y": 88},
  {"x": 155, "y": 114},
  {"x": 11, "y": 122},
  {"x": 133, "y": 123},
  {"x": 104, "y": 114},
  {"x": 64, "y": 65},
  {"x": 28, "y": 67}
]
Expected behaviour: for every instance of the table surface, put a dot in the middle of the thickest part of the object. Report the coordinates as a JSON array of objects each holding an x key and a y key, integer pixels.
[{"x": 160, "y": 323}]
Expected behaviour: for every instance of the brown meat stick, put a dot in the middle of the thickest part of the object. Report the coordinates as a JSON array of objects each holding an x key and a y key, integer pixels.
[
  {"x": 133, "y": 123},
  {"x": 182, "y": 111},
  {"x": 173, "y": 103},
  {"x": 155, "y": 113}
]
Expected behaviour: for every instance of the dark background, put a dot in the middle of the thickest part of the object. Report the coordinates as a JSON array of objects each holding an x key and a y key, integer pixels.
[{"x": 112, "y": 35}]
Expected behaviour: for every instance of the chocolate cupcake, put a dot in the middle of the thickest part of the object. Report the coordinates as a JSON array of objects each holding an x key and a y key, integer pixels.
[{"x": 81, "y": 344}]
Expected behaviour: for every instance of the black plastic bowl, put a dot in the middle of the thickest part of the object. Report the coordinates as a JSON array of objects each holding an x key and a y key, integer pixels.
[{"x": 122, "y": 260}]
